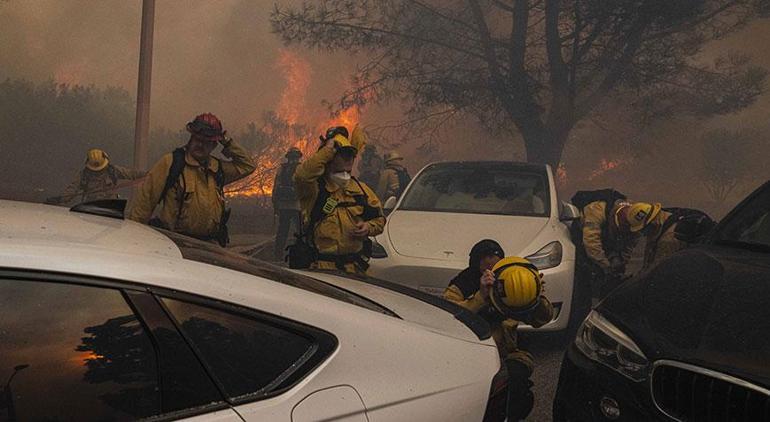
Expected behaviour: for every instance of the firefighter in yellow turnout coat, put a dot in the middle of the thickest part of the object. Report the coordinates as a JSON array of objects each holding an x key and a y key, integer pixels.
[
  {"x": 189, "y": 183},
  {"x": 505, "y": 292},
  {"x": 339, "y": 212}
]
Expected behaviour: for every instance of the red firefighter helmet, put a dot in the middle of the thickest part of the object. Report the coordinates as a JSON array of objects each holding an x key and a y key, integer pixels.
[{"x": 208, "y": 126}]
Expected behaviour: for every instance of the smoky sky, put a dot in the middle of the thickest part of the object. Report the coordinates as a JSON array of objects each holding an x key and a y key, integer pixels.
[
  {"x": 216, "y": 56},
  {"x": 220, "y": 56}
]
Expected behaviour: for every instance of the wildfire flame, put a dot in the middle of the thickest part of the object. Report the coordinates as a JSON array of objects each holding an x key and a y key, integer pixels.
[
  {"x": 561, "y": 175},
  {"x": 297, "y": 73},
  {"x": 606, "y": 165}
]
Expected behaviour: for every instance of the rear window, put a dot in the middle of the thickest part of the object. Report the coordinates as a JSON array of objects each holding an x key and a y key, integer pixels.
[
  {"x": 480, "y": 188},
  {"x": 247, "y": 356},
  {"x": 207, "y": 253}
]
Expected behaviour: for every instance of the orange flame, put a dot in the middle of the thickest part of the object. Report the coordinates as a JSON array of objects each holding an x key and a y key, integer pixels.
[
  {"x": 561, "y": 175},
  {"x": 297, "y": 73},
  {"x": 606, "y": 165}
]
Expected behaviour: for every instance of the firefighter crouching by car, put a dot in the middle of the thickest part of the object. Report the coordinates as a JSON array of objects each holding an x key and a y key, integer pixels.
[
  {"x": 97, "y": 180},
  {"x": 505, "y": 292},
  {"x": 189, "y": 184},
  {"x": 339, "y": 212}
]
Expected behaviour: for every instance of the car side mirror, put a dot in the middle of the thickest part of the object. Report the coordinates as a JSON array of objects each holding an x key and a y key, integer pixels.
[
  {"x": 390, "y": 204},
  {"x": 569, "y": 212}
]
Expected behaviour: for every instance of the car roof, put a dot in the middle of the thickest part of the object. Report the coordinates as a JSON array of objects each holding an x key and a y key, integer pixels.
[
  {"x": 45, "y": 238},
  {"x": 23, "y": 223}
]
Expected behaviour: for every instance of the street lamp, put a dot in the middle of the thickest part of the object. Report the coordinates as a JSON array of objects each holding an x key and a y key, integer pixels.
[{"x": 9, "y": 395}]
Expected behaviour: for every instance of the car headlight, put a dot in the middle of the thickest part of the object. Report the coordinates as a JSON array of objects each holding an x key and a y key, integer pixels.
[
  {"x": 603, "y": 342},
  {"x": 378, "y": 251},
  {"x": 547, "y": 257}
]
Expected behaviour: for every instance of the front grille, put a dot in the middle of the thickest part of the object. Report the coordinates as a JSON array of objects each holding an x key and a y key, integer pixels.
[{"x": 690, "y": 393}]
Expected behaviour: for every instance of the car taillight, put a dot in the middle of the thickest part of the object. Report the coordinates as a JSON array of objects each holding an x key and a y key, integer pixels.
[{"x": 498, "y": 397}]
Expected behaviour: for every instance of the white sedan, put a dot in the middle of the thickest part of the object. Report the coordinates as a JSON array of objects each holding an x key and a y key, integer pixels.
[
  {"x": 450, "y": 206},
  {"x": 106, "y": 319}
]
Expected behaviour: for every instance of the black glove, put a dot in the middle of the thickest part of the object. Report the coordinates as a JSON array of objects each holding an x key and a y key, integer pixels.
[{"x": 617, "y": 266}]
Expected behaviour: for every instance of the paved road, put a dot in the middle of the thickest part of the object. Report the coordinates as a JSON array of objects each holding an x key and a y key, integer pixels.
[{"x": 548, "y": 353}]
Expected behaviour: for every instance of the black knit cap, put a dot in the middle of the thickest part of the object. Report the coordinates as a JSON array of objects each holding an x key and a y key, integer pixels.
[{"x": 486, "y": 247}]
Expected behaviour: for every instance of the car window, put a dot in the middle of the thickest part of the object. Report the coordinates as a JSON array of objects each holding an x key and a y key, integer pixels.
[
  {"x": 248, "y": 357},
  {"x": 750, "y": 226},
  {"x": 479, "y": 189},
  {"x": 70, "y": 352},
  {"x": 183, "y": 380}
]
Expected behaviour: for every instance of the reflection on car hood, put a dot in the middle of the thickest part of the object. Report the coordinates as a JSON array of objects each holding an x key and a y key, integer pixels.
[
  {"x": 450, "y": 236},
  {"x": 706, "y": 306},
  {"x": 406, "y": 307}
]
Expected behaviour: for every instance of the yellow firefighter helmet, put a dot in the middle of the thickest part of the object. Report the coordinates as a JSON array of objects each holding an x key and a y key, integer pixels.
[{"x": 517, "y": 287}]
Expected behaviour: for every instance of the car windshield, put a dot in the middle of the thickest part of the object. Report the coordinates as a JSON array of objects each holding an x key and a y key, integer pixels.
[
  {"x": 481, "y": 188},
  {"x": 750, "y": 225},
  {"x": 207, "y": 253}
]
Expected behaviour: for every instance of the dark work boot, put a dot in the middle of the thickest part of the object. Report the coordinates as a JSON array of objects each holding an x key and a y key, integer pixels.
[{"x": 520, "y": 397}]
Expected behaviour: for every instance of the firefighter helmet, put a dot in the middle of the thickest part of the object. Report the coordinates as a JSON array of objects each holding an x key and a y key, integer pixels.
[
  {"x": 517, "y": 288},
  {"x": 97, "y": 160}
]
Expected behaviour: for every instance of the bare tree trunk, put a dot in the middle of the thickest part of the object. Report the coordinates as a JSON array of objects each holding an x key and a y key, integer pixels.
[{"x": 545, "y": 146}]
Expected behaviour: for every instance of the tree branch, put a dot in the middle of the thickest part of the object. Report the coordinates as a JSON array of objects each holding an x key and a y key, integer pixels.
[
  {"x": 556, "y": 64},
  {"x": 616, "y": 71},
  {"x": 381, "y": 31}
]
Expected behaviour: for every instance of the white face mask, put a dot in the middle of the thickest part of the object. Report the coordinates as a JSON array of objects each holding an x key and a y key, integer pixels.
[{"x": 340, "y": 179}]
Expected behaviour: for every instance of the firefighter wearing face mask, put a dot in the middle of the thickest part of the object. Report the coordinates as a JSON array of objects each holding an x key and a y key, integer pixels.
[
  {"x": 339, "y": 212},
  {"x": 508, "y": 292}
]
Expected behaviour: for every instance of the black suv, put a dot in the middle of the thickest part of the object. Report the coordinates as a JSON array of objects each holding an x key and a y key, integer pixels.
[{"x": 689, "y": 340}]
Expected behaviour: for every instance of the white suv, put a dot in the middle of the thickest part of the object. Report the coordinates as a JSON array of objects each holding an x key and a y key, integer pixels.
[{"x": 450, "y": 206}]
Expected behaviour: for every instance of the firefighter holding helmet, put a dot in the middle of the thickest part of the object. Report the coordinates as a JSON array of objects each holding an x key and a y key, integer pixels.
[{"x": 507, "y": 294}]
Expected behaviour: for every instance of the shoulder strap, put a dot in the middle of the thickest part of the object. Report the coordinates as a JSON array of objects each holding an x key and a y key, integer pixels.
[
  {"x": 609, "y": 206},
  {"x": 177, "y": 166},
  {"x": 83, "y": 181},
  {"x": 370, "y": 212},
  {"x": 219, "y": 177},
  {"x": 112, "y": 173},
  {"x": 317, "y": 213}
]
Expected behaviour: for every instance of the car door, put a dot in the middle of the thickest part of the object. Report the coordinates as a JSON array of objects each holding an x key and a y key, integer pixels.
[{"x": 74, "y": 351}]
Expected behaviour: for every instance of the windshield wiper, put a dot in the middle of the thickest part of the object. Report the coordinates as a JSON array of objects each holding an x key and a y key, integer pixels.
[{"x": 751, "y": 246}]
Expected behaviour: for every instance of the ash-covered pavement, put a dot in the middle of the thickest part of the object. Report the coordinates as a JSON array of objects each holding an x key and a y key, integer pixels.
[{"x": 548, "y": 351}]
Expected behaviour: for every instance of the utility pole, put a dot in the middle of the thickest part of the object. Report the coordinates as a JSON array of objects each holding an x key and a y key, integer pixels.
[{"x": 142, "y": 126}]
